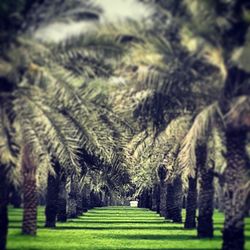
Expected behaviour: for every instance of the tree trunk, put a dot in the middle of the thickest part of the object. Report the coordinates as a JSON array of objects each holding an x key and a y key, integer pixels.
[
  {"x": 92, "y": 199},
  {"x": 142, "y": 200},
  {"x": 29, "y": 225},
  {"x": 99, "y": 199},
  {"x": 62, "y": 199},
  {"x": 163, "y": 200},
  {"x": 206, "y": 199},
  {"x": 149, "y": 201},
  {"x": 236, "y": 175},
  {"x": 4, "y": 195},
  {"x": 177, "y": 201},
  {"x": 145, "y": 199},
  {"x": 72, "y": 196},
  {"x": 206, "y": 194},
  {"x": 52, "y": 197},
  {"x": 15, "y": 199},
  {"x": 191, "y": 204},
  {"x": 141, "y": 203},
  {"x": 79, "y": 207},
  {"x": 184, "y": 201},
  {"x": 169, "y": 201},
  {"x": 86, "y": 198},
  {"x": 156, "y": 198},
  {"x": 221, "y": 198}
]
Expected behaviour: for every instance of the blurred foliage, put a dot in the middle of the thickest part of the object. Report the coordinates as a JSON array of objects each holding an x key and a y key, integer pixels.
[{"x": 12, "y": 14}]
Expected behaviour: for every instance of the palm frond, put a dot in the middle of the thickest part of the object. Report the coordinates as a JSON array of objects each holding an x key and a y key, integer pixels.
[
  {"x": 9, "y": 146},
  {"x": 201, "y": 124},
  {"x": 61, "y": 138},
  {"x": 238, "y": 115}
]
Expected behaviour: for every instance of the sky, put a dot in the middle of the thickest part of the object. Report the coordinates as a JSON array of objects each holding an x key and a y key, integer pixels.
[
  {"x": 114, "y": 11},
  {"x": 120, "y": 9}
]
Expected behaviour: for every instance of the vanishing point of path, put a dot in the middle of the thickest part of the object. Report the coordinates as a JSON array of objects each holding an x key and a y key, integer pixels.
[{"x": 122, "y": 228}]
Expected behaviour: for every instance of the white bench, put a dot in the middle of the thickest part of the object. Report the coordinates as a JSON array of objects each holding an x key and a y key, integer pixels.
[{"x": 133, "y": 203}]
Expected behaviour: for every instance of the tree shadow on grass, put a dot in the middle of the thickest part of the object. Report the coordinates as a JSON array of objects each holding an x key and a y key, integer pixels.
[
  {"x": 108, "y": 228},
  {"x": 121, "y": 212},
  {"x": 130, "y": 248},
  {"x": 117, "y": 222},
  {"x": 20, "y": 221},
  {"x": 120, "y": 209},
  {"x": 179, "y": 237},
  {"x": 20, "y": 227},
  {"x": 115, "y": 228},
  {"x": 164, "y": 249},
  {"x": 121, "y": 215}
]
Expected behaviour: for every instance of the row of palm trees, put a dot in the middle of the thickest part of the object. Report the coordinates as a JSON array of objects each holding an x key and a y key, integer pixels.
[
  {"x": 54, "y": 130},
  {"x": 59, "y": 133},
  {"x": 221, "y": 103}
]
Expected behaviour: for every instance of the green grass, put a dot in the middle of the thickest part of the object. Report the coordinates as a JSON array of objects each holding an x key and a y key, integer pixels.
[{"x": 110, "y": 228}]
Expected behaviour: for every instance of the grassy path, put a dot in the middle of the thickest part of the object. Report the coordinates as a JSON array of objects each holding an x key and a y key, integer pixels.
[{"x": 110, "y": 228}]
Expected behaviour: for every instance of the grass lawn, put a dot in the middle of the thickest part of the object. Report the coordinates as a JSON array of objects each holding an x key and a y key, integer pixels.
[{"x": 113, "y": 228}]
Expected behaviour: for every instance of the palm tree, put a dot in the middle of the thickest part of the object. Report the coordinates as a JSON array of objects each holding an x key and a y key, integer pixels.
[
  {"x": 3, "y": 210},
  {"x": 235, "y": 177},
  {"x": 240, "y": 114},
  {"x": 8, "y": 170},
  {"x": 49, "y": 125},
  {"x": 216, "y": 37},
  {"x": 235, "y": 79}
]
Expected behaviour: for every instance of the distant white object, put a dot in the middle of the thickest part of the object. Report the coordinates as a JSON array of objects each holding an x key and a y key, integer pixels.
[{"x": 133, "y": 203}]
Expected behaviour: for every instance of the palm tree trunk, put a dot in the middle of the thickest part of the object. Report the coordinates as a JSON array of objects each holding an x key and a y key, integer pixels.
[
  {"x": 94, "y": 201},
  {"x": 191, "y": 204},
  {"x": 72, "y": 197},
  {"x": 149, "y": 196},
  {"x": 169, "y": 201},
  {"x": 79, "y": 199},
  {"x": 163, "y": 199},
  {"x": 52, "y": 197},
  {"x": 145, "y": 199},
  {"x": 30, "y": 197},
  {"x": 206, "y": 194},
  {"x": 4, "y": 196},
  {"x": 206, "y": 199},
  {"x": 86, "y": 198},
  {"x": 235, "y": 202},
  {"x": 177, "y": 201},
  {"x": 141, "y": 203},
  {"x": 91, "y": 199},
  {"x": 15, "y": 198},
  {"x": 221, "y": 198},
  {"x": 79, "y": 207},
  {"x": 156, "y": 198},
  {"x": 141, "y": 200},
  {"x": 99, "y": 199},
  {"x": 62, "y": 199}
]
